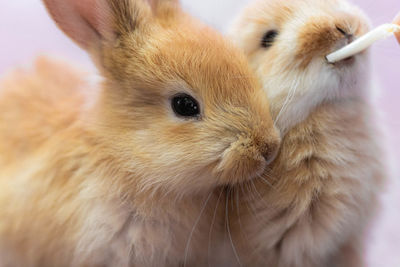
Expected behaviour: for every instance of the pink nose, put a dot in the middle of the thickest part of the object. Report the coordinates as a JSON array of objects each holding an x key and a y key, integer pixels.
[
  {"x": 349, "y": 38},
  {"x": 270, "y": 152}
]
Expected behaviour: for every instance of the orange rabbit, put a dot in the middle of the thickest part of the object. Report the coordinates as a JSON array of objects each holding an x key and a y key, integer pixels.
[
  {"x": 313, "y": 206},
  {"x": 126, "y": 174}
]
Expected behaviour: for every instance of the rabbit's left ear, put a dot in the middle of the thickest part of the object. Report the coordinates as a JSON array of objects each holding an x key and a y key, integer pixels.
[
  {"x": 84, "y": 21},
  {"x": 91, "y": 22}
]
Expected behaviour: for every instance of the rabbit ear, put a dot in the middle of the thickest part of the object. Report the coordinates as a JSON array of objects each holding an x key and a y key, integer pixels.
[
  {"x": 89, "y": 22},
  {"x": 84, "y": 21},
  {"x": 158, "y": 4}
]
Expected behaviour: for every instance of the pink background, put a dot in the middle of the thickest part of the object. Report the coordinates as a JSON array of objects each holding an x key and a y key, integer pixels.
[{"x": 26, "y": 31}]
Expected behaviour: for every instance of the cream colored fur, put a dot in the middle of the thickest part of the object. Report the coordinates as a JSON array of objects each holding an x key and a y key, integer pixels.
[
  {"x": 314, "y": 205},
  {"x": 108, "y": 175}
]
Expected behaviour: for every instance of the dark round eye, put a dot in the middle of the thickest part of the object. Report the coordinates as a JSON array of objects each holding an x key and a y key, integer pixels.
[
  {"x": 185, "y": 106},
  {"x": 269, "y": 38}
]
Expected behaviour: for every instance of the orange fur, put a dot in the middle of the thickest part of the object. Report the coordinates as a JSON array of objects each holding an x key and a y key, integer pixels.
[
  {"x": 108, "y": 175},
  {"x": 313, "y": 207}
]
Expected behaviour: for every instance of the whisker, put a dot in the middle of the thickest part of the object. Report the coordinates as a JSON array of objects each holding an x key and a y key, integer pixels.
[
  {"x": 250, "y": 207},
  {"x": 229, "y": 231},
  {"x": 231, "y": 193},
  {"x": 288, "y": 100},
  {"x": 255, "y": 189},
  {"x": 267, "y": 182},
  {"x": 267, "y": 173},
  {"x": 194, "y": 227},
  {"x": 242, "y": 188},
  {"x": 244, "y": 236},
  {"x": 249, "y": 189},
  {"x": 212, "y": 226},
  {"x": 261, "y": 198}
]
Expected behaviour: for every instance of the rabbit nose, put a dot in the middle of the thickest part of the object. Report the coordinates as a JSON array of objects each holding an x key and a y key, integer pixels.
[
  {"x": 270, "y": 152},
  {"x": 349, "y": 38}
]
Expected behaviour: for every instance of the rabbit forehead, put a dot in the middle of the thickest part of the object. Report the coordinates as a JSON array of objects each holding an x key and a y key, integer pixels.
[
  {"x": 202, "y": 60},
  {"x": 279, "y": 12}
]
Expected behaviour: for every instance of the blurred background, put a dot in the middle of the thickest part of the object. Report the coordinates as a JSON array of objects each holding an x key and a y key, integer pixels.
[{"x": 26, "y": 31}]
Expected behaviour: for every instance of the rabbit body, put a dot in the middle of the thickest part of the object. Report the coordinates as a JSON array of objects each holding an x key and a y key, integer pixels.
[
  {"x": 62, "y": 201},
  {"x": 121, "y": 174},
  {"x": 313, "y": 207},
  {"x": 315, "y": 203}
]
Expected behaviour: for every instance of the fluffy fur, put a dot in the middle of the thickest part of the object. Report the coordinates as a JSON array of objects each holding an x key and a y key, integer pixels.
[
  {"x": 110, "y": 176},
  {"x": 313, "y": 206},
  {"x": 397, "y": 21}
]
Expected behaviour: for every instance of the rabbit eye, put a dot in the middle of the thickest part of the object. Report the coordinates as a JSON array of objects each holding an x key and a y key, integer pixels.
[
  {"x": 269, "y": 38},
  {"x": 185, "y": 106}
]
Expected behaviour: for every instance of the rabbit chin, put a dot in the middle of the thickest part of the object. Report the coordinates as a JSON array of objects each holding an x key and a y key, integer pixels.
[{"x": 316, "y": 85}]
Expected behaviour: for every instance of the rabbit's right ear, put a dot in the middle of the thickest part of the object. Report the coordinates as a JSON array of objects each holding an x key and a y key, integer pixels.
[{"x": 91, "y": 22}]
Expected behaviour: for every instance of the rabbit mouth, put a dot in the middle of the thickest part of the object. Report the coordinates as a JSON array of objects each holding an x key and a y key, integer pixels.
[
  {"x": 243, "y": 161},
  {"x": 342, "y": 43},
  {"x": 347, "y": 62}
]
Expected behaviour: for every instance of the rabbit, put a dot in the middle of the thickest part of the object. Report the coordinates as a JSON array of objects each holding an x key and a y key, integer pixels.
[
  {"x": 129, "y": 172},
  {"x": 313, "y": 205}
]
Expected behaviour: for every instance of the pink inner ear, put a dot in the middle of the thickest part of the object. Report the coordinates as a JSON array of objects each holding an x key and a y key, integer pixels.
[
  {"x": 97, "y": 14},
  {"x": 85, "y": 21}
]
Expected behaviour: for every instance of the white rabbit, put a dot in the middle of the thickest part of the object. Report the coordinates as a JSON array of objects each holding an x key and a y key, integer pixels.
[{"x": 313, "y": 207}]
